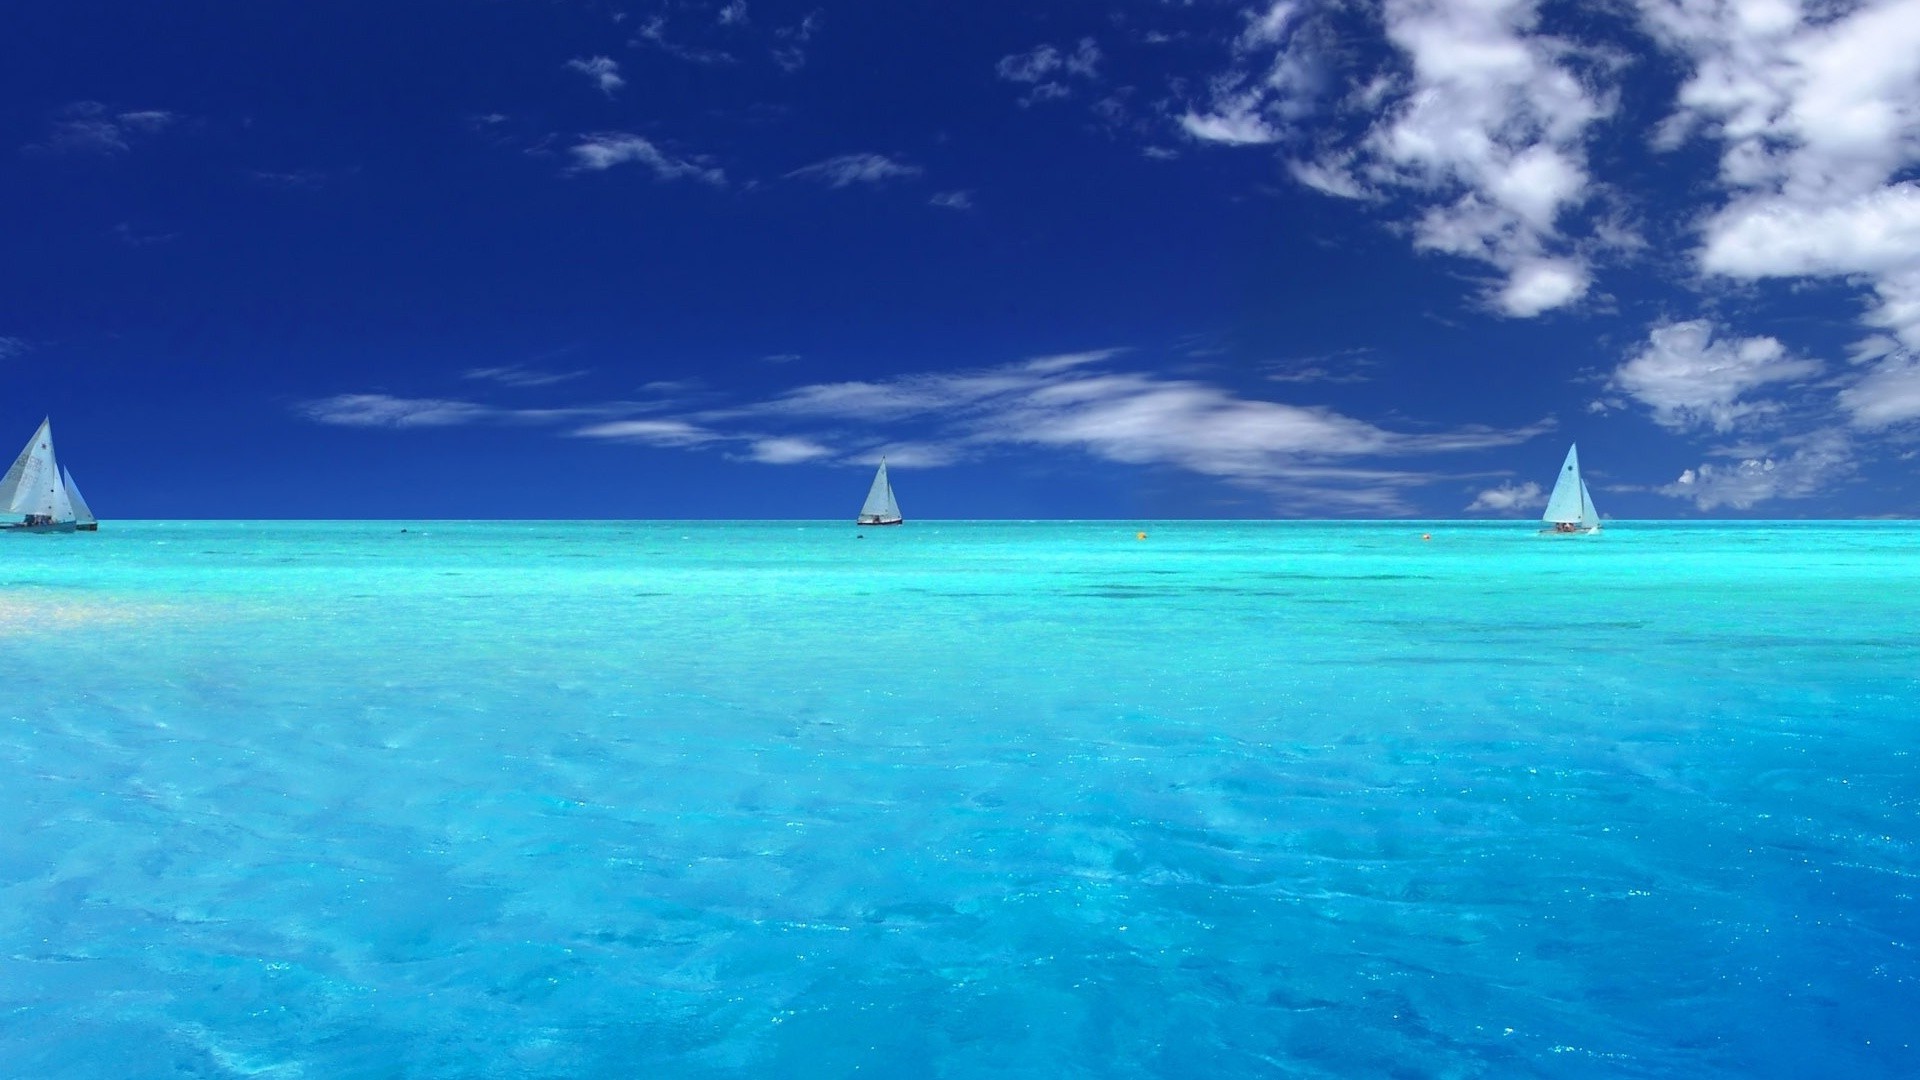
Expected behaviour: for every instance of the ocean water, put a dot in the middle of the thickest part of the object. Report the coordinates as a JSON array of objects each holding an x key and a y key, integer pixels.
[{"x": 959, "y": 799}]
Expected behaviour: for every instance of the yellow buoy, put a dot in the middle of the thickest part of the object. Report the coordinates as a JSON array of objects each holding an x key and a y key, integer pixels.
[
  {"x": 1141, "y": 536},
  {"x": 1426, "y": 536}
]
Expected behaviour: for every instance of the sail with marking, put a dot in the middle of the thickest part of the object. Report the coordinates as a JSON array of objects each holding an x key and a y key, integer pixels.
[
  {"x": 61, "y": 507},
  {"x": 1569, "y": 504},
  {"x": 82, "y": 513},
  {"x": 880, "y": 507},
  {"x": 40, "y": 491},
  {"x": 16, "y": 476}
]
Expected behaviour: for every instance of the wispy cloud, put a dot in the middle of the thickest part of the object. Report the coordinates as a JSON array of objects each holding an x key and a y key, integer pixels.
[
  {"x": 848, "y": 169},
  {"x": 517, "y": 376},
  {"x": 733, "y": 14},
  {"x": 11, "y": 347},
  {"x": 391, "y": 411},
  {"x": 1048, "y": 72},
  {"x": 1304, "y": 456},
  {"x": 668, "y": 432},
  {"x": 384, "y": 410},
  {"x": 89, "y": 127},
  {"x": 653, "y": 33},
  {"x": 791, "y": 52},
  {"x": 953, "y": 200},
  {"x": 604, "y": 150},
  {"x": 603, "y": 71},
  {"x": 133, "y": 237}
]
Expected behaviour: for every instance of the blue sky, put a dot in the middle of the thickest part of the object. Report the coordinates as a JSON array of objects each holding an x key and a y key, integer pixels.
[{"x": 540, "y": 258}]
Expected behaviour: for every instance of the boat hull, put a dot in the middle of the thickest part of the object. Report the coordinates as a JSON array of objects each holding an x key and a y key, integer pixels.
[
  {"x": 895, "y": 521},
  {"x": 64, "y": 527},
  {"x": 1569, "y": 532}
]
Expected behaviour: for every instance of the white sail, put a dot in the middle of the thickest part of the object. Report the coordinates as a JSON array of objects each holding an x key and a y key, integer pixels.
[
  {"x": 1589, "y": 517},
  {"x": 880, "y": 507},
  {"x": 40, "y": 491},
  {"x": 82, "y": 513},
  {"x": 16, "y": 476},
  {"x": 62, "y": 511},
  {"x": 1568, "y": 505}
]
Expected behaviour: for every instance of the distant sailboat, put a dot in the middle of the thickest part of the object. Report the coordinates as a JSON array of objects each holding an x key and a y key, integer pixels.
[
  {"x": 880, "y": 508},
  {"x": 1570, "y": 507},
  {"x": 36, "y": 488}
]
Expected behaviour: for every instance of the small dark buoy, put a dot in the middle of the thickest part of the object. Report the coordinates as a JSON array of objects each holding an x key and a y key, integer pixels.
[{"x": 859, "y": 536}]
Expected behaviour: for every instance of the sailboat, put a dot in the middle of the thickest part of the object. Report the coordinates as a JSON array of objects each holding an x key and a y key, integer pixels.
[
  {"x": 1570, "y": 507},
  {"x": 36, "y": 488},
  {"x": 83, "y": 519},
  {"x": 880, "y": 507}
]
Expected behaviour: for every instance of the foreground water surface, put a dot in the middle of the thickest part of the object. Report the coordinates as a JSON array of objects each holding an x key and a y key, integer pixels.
[{"x": 959, "y": 799}]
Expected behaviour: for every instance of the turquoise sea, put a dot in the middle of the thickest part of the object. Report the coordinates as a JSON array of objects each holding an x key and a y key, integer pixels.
[{"x": 956, "y": 799}]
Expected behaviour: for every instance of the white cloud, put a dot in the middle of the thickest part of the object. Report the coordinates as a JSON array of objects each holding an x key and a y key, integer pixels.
[
  {"x": 734, "y": 14},
  {"x": 1817, "y": 110},
  {"x": 604, "y": 150},
  {"x": 1239, "y": 125},
  {"x": 1689, "y": 378},
  {"x": 953, "y": 200},
  {"x": 1888, "y": 394},
  {"x": 1509, "y": 496},
  {"x": 1809, "y": 470},
  {"x": 1270, "y": 87},
  {"x": 787, "y": 450},
  {"x": 11, "y": 347},
  {"x": 1536, "y": 284},
  {"x": 604, "y": 71},
  {"x": 850, "y": 169},
  {"x": 1486, "y": 127},
  {"x": 668, "y": 432}
]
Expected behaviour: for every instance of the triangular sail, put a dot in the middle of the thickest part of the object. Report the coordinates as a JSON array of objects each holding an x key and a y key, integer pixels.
[
  {"x": 1568, "y": 504},
  {"x": 16, "y": 476},
  {"x": 880, "y": 507},
  {"x": 62, "y": 510},
  {"x": 82, "y": 513},
  {"x": 40, "y": 491},
  {"x": 1589, "y": 517}
]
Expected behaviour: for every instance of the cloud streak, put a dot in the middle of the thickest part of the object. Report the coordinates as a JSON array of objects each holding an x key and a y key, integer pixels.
[
  {"x": 1303, "y": 455},
  {"x": 606, "y": 150},
  {"x": 849, "y": 169}
]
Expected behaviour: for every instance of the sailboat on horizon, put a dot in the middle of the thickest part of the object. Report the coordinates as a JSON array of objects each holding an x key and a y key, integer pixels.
[
  {"x": 880, "y": 507},
  {"x": 43, "y": 493},
  {"x": 1570, "y": 507}
]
